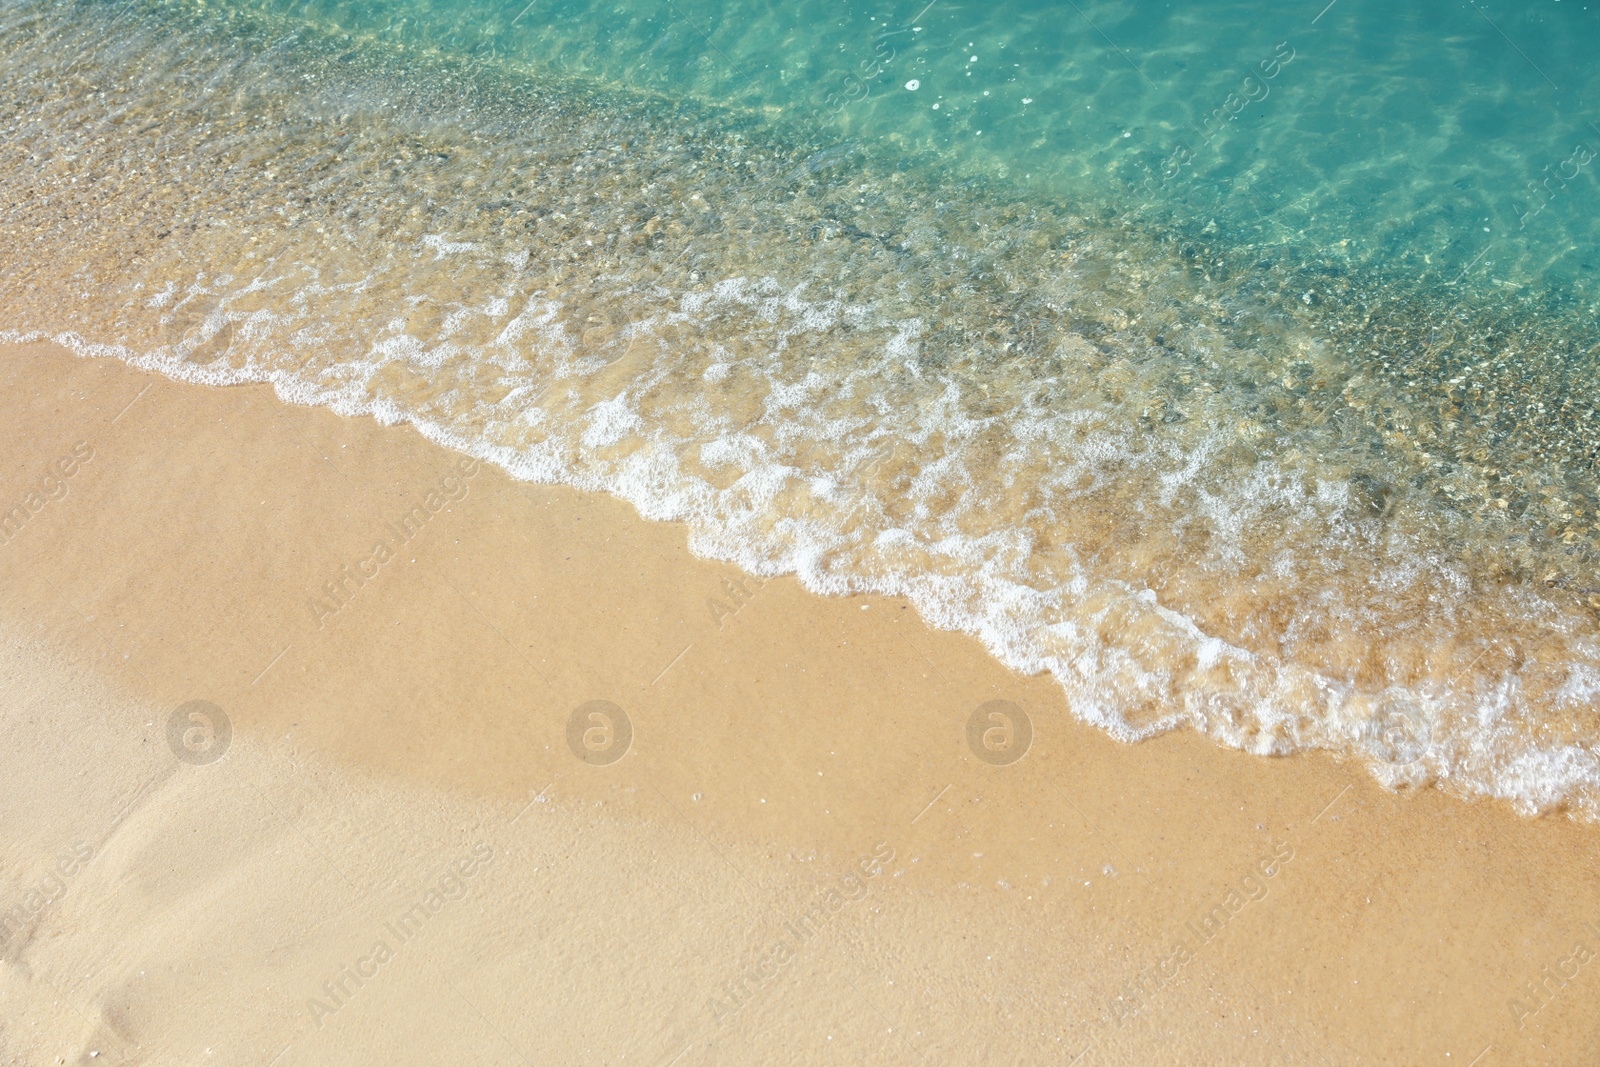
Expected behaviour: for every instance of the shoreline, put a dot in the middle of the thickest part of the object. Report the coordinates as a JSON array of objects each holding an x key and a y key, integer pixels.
[
  {"x": 445, "y": 694},
  {"x": 1154, "y": 468}
]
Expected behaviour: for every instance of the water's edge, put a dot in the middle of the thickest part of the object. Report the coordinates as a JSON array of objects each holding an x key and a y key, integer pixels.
[{"x": 1290, "y": 504}]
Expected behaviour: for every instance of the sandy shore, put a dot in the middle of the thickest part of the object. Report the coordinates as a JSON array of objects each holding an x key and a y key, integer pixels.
[{"x": 396, "y": 829}]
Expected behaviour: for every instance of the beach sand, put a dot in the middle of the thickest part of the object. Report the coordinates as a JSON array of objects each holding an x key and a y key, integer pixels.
[{"x": 388, "y": 849}]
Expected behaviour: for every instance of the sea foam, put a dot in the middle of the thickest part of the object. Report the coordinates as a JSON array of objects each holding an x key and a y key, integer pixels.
[{"x": 1189, "y": 497}]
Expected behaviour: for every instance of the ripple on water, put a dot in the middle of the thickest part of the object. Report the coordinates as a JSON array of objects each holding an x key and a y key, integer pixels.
[{"x": 1256, "y": 492}]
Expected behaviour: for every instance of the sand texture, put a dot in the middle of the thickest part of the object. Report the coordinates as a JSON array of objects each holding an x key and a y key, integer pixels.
[{"x": 302, "y": 766}]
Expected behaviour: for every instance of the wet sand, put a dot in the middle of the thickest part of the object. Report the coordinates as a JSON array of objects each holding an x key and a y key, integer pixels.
[{"x": 398, "y": 830}]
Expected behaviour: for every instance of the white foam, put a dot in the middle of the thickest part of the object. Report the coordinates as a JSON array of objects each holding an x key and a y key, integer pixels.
[{"x": 802, "y": 428}]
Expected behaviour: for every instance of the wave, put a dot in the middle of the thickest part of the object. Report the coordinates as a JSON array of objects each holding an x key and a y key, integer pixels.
[{"x": 1240, "y": 490}]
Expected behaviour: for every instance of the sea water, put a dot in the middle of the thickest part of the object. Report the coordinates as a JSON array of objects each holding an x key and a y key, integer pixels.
[{"x": 1235, "y": 363}]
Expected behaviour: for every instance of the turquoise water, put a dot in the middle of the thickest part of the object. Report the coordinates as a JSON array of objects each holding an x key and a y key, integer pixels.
[
  {"x": 1417, "y": 136},
  {"x": 1234, "y": 364}
]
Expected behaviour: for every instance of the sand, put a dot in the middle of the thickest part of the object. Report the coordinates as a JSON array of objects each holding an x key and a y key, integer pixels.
[{"x": 381, "y": 839}]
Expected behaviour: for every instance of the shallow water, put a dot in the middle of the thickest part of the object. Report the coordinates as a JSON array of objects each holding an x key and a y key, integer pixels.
[{"x": 1279, "y": 424}]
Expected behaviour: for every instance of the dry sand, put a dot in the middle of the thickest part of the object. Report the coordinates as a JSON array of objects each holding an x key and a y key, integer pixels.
[{"x": 396, "y": 856}]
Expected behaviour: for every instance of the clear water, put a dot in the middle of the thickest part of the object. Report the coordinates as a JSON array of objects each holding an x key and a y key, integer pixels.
[
  {"x": 1419, "y": 133},
  {"x": 1234, "y": 363}
]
